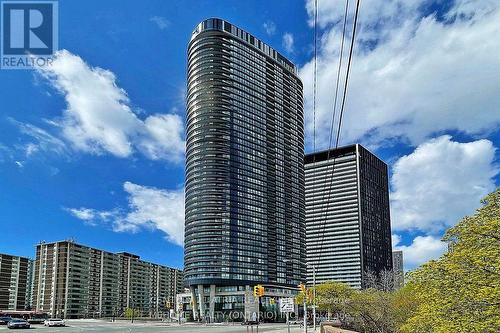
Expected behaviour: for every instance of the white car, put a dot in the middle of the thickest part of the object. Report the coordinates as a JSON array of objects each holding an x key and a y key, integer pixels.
[{"x": 54, "y": 322}]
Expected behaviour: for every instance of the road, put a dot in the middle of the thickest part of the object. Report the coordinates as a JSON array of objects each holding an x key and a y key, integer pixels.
[{"x": 97, "y": 326}]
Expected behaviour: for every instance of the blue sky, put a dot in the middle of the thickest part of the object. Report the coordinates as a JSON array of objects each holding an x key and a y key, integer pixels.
[{"x": 423, "y": 96}]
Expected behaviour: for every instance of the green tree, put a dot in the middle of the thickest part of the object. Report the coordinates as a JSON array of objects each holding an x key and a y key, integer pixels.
[
  {"x": 334, "y": 298},
  {"x": 368, "y": 310},
  {"x": 372, "y": 310},
  {"x": 129, "y": 313},
  {"x": 404, "y": 304},
  {"x": 460, "y": 292}
]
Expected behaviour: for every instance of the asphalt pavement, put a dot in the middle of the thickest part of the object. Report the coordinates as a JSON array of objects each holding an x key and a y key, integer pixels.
[{"x": 98, "y": 326}]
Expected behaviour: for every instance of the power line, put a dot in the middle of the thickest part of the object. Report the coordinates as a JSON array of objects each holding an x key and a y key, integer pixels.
[
  {"x": 348, "y": 70},
  {"x": 338, "y": 74},
  {"x": 342, "y": 109},
  {"x": 339, "y": 69},
  {"x": 315, "y": 71}
]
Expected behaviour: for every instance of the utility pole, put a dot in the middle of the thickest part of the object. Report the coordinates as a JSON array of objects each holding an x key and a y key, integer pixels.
[
  {"x": 305, "y": 311},
  {"x": 131, "y": 307},
  {"x": 314, "y": 297}
]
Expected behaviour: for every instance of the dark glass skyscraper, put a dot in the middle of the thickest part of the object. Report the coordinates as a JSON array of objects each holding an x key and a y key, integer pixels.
[
  {"x": 347, "y": 215},
  {"x": 245, "y": 210}
]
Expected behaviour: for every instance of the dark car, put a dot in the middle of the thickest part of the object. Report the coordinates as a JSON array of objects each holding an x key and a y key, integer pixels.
[
  {"x": 5, "y": 320},
  {"x": 18, "y": 323}
]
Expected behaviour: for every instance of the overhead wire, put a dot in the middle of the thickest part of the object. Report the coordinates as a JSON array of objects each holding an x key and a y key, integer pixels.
[
  {"x": 342, "y": 109},
  {"x": 315, "y": 70}
]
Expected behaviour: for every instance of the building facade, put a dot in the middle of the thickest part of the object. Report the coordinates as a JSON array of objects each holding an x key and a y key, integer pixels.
[
  {"x": 348, "y": 227},
  {"x": 237, "y": 304},
  {"x": 245, "y": 208},
  {"x": 15, "y": 282},
  {"x": 398, "y": 269},
  {"x": 76, "y": 281}
]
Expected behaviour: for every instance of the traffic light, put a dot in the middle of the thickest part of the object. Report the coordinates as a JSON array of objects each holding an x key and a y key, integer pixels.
[
  {"x": 272, "y": 301},
  {"x": 258, "y": 291},
  {"x": 302, "y": 288}
]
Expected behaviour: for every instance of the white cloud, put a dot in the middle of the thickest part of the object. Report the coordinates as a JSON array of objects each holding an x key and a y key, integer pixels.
[
  {"x": 43, "y": 140},
  {"x": 159, "y": 209},
  {"x": 161, "y": 22},
  {"x": 411, "y": 76},
  {"x": 85, "y": 214},
  {"x": 421, "y": 250},
  {"x": 440, "y": 182},
  {"x": 31, "y": 149},
  {"x": 165, "y": 137},
  {"x": 148, "y": 207},
  {"x": 288, "y": 42},
  {"x": 99, "y": 119},
  {"x": 371, "y": 11},
  {"x": 269, "y": 27},
  {"x": 91, "y": 216}
]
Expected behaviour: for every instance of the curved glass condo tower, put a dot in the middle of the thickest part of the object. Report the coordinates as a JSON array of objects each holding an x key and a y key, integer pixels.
[{"x": 245, "y": 210}]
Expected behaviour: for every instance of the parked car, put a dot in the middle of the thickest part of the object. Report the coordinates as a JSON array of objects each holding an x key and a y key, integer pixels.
[
  {"x": 18, "y": 323},
  {"x": 54, "y": 322},
  {"x": 250, "y": 322},
  {"x": 5, "y": 320}
]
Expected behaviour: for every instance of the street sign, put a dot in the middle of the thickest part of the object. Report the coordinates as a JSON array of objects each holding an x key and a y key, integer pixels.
[{"x": 287, "y": 305}]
